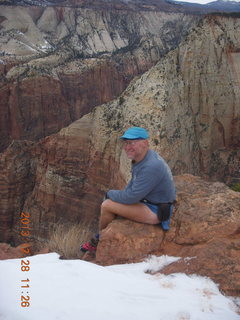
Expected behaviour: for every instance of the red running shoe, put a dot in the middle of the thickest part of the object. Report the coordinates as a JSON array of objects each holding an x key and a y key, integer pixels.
[{"x": 90, "y": 246}]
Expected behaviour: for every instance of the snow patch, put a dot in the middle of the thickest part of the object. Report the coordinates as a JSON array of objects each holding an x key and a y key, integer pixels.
[{"x": 73, "y": 289}]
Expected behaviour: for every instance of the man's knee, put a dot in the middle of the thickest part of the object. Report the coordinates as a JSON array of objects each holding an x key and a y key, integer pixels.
[{"x": 106, "y": 204}]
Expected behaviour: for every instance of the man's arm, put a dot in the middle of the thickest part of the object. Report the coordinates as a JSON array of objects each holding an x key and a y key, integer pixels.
[{"x": 138, "y": 188}]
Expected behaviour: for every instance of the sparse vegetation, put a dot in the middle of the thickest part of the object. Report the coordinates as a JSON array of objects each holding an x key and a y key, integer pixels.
[
  {"x": 235, "y": 187},
  {"x": 121, "y": 100},
  {"x": 66, "y": 240}
]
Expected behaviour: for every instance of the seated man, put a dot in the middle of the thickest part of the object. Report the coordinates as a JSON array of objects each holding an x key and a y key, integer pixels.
[{"x": 150, "y": 194}]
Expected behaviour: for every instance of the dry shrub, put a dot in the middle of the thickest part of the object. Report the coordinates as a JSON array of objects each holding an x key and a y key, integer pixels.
[{"x": 66, "y": 239}]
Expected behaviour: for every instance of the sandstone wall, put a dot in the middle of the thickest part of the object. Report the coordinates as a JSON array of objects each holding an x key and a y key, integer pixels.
[
  {"x": 190, "y": 102},
  {"x": 61, "y": 179},
  {"x": 57, "y": 63},
  {"x": 17, "y": 178}
]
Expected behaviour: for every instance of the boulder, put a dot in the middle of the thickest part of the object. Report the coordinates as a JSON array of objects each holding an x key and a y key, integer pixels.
[
  {"x": 205, "y": 233},
  {"x": 8, "y": 252},
  {"x": 126, "y": 241}
]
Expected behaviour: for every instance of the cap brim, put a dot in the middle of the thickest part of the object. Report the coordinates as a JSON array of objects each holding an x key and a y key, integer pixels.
[{"x": 128, "y": 137}]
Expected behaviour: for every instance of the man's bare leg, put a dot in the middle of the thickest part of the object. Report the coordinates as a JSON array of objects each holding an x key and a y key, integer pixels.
[{"x": 135, "y": 212}]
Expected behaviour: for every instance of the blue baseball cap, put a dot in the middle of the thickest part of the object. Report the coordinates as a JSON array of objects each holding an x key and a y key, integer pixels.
[{"x": 134, "y": 133}]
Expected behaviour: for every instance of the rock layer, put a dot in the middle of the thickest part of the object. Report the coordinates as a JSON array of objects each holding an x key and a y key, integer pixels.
[
  {"x": 16, "y": 182},
  {"x": 50, "y": 180},
  {"x": 57, "y": 63}
]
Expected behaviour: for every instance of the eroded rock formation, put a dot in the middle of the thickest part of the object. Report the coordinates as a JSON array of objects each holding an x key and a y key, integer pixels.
[
  {"x": 57, "y": 63},
  {"x": 190, "y": 102},
  {"x": 190, "y": 106},
  {"x": 61, "y": 179},
  {"x": 205, "y": 232}
]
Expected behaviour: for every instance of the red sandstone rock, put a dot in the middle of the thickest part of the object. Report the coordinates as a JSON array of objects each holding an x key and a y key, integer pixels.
[
  {"x": 8, "y": 252},
  {"x": 124, "y": 241},
  {"x": 218, "y": 259},
  {"x": 38, "y": 106},
  {"x": 16, "y": 181},
  {"x": 205, "y": 228},
  {"x": 61, "y": 179},
  {"x": 70, "y": 180},
  {"x": 32, "y": 109}
]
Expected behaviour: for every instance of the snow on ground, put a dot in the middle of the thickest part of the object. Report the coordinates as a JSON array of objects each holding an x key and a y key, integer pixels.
[{"x": 75, "y": 289}]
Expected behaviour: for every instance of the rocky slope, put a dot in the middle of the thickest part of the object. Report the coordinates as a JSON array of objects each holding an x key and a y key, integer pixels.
[{"x": 58, "y": 62}]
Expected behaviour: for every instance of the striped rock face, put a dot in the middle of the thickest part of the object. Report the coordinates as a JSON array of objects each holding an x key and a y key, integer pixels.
[{"x": 59, "y": 62}]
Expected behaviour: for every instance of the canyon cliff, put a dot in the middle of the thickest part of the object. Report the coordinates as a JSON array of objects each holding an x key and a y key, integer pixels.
[
  {"x": 189, "y": 102},
  {"x": 58, "y": 62}
]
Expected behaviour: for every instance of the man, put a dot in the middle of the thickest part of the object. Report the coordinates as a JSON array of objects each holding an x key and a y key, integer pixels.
[{"x": 150, "y": 194}]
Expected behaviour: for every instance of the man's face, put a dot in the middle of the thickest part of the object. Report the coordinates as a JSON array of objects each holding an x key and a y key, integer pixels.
[{"x": 135, "y": 149}]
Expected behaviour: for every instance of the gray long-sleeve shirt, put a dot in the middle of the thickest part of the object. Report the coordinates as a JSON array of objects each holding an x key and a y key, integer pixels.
[{"x": 151, "y": 179}]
